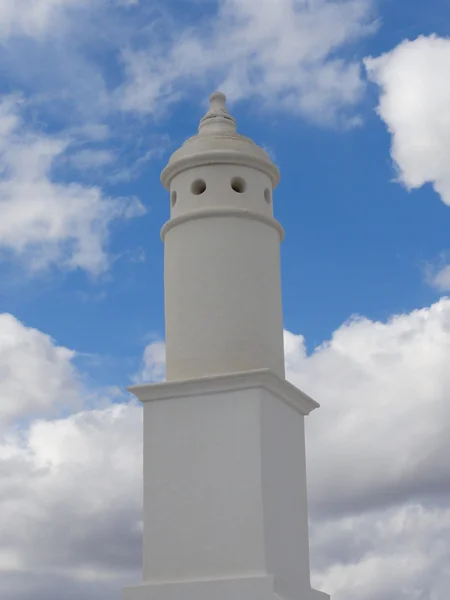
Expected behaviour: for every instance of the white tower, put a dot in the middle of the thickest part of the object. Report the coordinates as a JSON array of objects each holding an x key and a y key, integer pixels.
[{"x": 225, "y": 508}]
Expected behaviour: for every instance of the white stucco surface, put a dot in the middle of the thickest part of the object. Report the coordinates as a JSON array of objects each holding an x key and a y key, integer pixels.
[
  {"x": 248, "y": 588},
  {"x": 284, "y": 495},
  {"x": 225, "y": 497},
  {"x": 224, "y": 485},
  {"x": 223, "y": 306},
  {"x": 222, "y": 297}
]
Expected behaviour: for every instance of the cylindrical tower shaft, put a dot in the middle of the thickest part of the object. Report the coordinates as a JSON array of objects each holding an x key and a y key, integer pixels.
[{"x": 222, "y": 255}]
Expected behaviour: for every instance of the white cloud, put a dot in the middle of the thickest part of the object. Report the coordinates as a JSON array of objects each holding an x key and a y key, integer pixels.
[
  {"x": 280, "y": 52},
  {"x": 54, "y": 49},
  {"x": 44, "y": 221},
  {"x": 288, "y": 54},
  {"x": 33, "y": 18},
  {"x": 402, "y": 552},
  {"x": 155, "y": 148},
  {"x": 71, "y": 499},
  {"x": 441, "y": 279},
  {"x": 153, "y": 368},
  {"x": 36, "y": 377},
  {"x": 378, "y": 472},
  {"x": 41, "y": 18},
  {"x": 384, "y": 400},
  {"x": 88, "y": 159},
  {"x": 437, "y": 274},
  {"x": 414, "y": 104},
  {"x": 71, "y": 487}
]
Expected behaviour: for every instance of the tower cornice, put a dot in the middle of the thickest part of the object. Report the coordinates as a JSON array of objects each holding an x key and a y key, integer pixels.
[
  {"x": 260, "y": 378},
  {"x": 217, "y": 142},
  {"x": 243, "y": 156},
  {"x": 222, "y": 212}
]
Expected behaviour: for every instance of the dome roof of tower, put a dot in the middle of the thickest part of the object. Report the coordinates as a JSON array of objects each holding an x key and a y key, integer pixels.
[{"x": 218, "y": 142}]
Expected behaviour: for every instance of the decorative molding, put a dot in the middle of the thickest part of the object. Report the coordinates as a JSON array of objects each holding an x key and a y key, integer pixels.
[
  {"x": 215, "y": 157},
  {"x": 257, "y": 587},
  {"x": 260, "y": 379},
  {"x": 222, "y": 212}
]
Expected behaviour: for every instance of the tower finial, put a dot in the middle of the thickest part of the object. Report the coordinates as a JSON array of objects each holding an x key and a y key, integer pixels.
[
  {"x": 217, "y": 118},
  {"x": 217, "y": 101}
]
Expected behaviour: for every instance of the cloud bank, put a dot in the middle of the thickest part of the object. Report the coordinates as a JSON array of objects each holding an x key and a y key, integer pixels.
[
  {"x": 415, "y": 96},
  {"x": 283, "y": 54},
  {"x": 414, "y": 104},
  {"x": 46, "y": 222},
  {"x": 107, "y": 67},
  {"x": 378, "y": 473}
]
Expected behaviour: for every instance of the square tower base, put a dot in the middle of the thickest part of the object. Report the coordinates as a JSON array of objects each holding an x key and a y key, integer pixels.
[
  {"x": 225, "y": 507},
  {"x": 246, "y": 588}
]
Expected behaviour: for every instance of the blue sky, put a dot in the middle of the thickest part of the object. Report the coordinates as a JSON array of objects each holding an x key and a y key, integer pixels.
[
  {"x": 357, "y": 242},
  {"x": 351, "y": 98}
]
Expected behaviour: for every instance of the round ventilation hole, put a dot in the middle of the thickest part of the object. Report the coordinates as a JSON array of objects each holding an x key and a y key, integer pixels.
[
  {"x": 238, "y": 185},
  {"x": 198, "y": 187}
]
